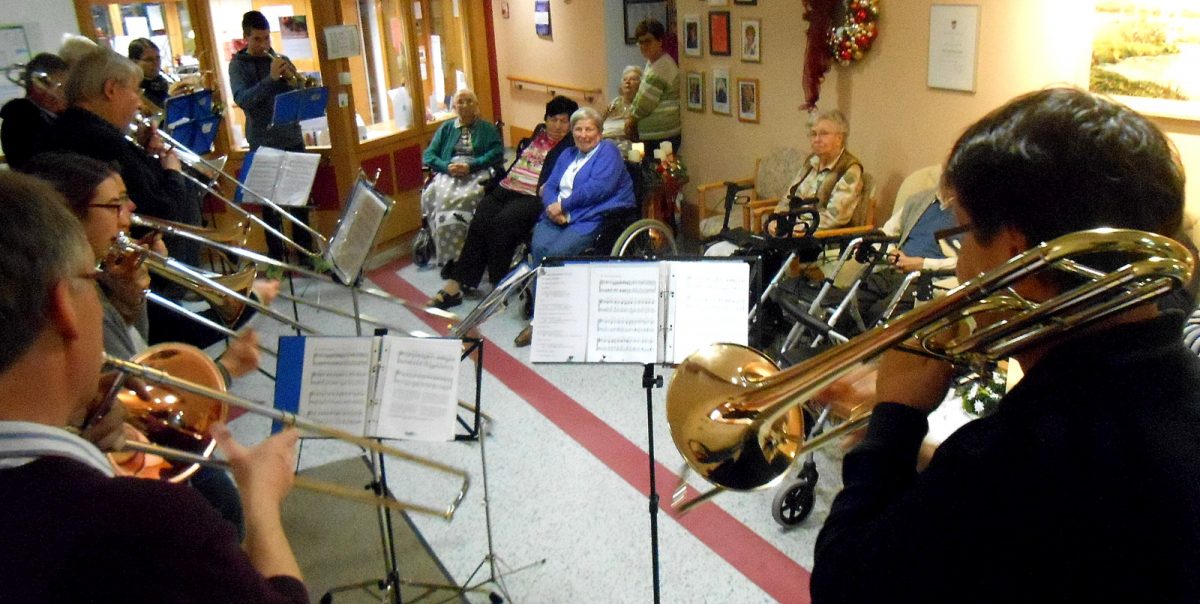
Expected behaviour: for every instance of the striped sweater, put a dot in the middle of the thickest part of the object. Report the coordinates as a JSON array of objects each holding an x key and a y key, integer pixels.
[{"x": 656, "y": 106}]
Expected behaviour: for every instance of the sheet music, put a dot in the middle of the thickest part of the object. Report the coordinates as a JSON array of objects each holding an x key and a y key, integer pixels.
[
  {"x": 708, "y": 303},
  {"x": 295, "y": 178},
  {"x": 418, "y": 395},
  {"x": 356, "y": 232},
  {"x": 263, "y": 173},
  {"x": 560, "y": 323},
  {"x": 624, "y": 312},
  {"x": 335, "y": 386}
]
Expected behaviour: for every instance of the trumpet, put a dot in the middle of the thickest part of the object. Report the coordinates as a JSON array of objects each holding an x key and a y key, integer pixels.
[
  {"x": 181, "y": 411},
  {"x": 733, "y": 414},
  {"x": 214, "y": 172},
  {"x": 292, "y": 75}
]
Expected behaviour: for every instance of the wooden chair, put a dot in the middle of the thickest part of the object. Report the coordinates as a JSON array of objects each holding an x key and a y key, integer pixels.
[{"x": 772, "y": 175}]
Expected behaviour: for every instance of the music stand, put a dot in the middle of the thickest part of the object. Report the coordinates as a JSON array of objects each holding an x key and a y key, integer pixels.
[{"x": 642, "y": 303}]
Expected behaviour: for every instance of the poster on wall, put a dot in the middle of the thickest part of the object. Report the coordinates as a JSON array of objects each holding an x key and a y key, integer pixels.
[
  {"x": 1145, "y": 52},
  {"x": 953, "y": 38},
  {"x": 541, "y": 17},
  {"x": 293, "y": 31}
]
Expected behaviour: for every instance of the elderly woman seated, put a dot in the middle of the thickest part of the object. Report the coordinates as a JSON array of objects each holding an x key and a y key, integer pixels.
[
  {"x": 588, "y": 183},
  {"x": 621, "y": 108},
  {"x": 462, "y": 155},
  {"x": 506, "y": 215}
]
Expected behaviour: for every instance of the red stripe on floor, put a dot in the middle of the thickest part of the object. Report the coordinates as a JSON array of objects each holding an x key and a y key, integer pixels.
[{"x": 769, "y": 569}]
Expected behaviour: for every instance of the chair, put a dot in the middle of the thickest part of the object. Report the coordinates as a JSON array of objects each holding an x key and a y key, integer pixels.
[{"x": 772, "y": 175}]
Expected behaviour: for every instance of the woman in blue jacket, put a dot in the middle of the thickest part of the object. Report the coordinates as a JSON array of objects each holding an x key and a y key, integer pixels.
[{"x": 588, "y": 182}]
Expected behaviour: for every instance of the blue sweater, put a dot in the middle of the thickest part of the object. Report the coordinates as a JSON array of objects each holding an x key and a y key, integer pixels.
[{"x": 602, "y": 185}]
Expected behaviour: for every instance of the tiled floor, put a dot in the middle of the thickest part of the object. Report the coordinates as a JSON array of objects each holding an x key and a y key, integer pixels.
[{"x": 567, "y": 478}]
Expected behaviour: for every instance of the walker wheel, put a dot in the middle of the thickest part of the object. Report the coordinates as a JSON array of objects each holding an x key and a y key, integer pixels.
[{"x": 794, "y": 501}]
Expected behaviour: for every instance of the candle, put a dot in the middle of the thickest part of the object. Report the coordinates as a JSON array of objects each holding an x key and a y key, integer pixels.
[
  {"x": 667, "y": 147},
  {"x": 635, "y": 155},
  {"x": 658, "y": 154}
]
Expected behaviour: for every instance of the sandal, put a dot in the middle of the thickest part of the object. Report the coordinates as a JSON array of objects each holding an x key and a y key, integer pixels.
[{"x": 445, "y": 301}]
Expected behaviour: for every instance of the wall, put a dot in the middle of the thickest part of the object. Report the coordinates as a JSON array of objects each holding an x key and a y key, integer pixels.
[
  {"x": 617, "y": 53},
  {"x": 898, "y": 124},
  {"x": 573, "y": 55},
  {"x": 45, "y": 22}
]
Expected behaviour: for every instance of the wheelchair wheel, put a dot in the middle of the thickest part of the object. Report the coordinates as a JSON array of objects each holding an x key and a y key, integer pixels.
[
  {"x": 794, "y": 501},
  {"x": 646, "y": 237}
]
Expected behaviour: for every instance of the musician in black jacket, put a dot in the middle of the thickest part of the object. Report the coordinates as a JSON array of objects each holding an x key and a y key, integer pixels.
[
  {"x": 27, "y": 119},
  {"x": 1084, "y": 486}
]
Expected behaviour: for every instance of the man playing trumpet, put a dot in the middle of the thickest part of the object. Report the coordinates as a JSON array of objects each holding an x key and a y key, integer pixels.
[
  {"x": 1085, "y": 485},
  {"x": 71, "y": 531}
]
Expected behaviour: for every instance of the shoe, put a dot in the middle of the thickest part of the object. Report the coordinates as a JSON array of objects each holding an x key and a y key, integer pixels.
[
  {"x": 525, "y": 337},
  {"x": 444, "y": 300}
]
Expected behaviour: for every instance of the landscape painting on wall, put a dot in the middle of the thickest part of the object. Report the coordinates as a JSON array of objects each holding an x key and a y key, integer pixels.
[{"x": 1148, "y": 53}]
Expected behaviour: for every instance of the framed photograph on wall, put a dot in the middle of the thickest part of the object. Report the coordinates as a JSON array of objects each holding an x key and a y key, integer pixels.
[
  {"x": 718, "y": 2},
  {"x": 750, "y": 33},
  {"x": 695, "y": 91},
  {"x": 718, "y": 33},
  {"x": 691, "y": 36},
  {"x": 721, "y": 92},
  {"x": 637, "y": 11},
  {"x": 746, "y": 2},
  {"x": 747, "y": 99}
]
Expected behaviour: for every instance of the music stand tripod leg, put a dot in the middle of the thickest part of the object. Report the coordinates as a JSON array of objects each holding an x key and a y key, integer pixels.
[{"x": 650, "y": 382}]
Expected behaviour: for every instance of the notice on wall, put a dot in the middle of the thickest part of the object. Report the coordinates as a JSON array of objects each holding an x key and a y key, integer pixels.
[
  {"x": 541, "y": 17},
  {"x": 953, "y": 35},
  {"x": 341, "y": 41}
]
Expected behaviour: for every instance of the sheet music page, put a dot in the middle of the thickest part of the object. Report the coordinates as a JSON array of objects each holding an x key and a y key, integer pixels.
[
  {"x": 296, "y": 176},
  {"x": 560, "y": 318},
  {"x": 264, "y": 171},
  {"x": 624, "y": 312},
  {"x": 709, "y": 302},
  {"x": 419, "y": 394},
  {"x": 356, "y": 232},
  {"x": 336, "y": 383}
]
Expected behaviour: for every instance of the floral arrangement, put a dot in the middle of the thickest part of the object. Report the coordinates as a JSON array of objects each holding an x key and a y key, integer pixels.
[
  {"x": 981, "y": 395},
  {"x": 849, "y": 41},
  {"x": 672, "y": 171}
]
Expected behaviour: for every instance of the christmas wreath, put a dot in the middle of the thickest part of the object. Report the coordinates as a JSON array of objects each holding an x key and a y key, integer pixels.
[{"x": 849, "y": 41}]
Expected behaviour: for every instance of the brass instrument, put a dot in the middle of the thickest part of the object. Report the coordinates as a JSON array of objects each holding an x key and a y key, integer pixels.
[
  {"x": 188, "y": 408},
  {"x": 291, "y": 74},
  {"x": 214, "y": 171},
  {"x": 735, "y": 417}
]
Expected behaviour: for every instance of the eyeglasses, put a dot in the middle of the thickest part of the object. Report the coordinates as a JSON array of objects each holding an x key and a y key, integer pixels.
[
  {"x": 821, "y": 133},
  {"x": 93, "y": 274},
  {"x": 121, "y": 203}
]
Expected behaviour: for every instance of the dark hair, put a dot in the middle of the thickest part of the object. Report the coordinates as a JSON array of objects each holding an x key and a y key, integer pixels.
[
  {"x": 560, "y": 105},
  {"x": 43, "y": 62},
  {"x": 254, "y": 20},
  {"x": 74, "y": 176},
  {"x": 652, "y": 27},
  {"x": 1061, "y": 160},
  {"x": 139, "y": 47},
  {"x": 43, "y": 243}
]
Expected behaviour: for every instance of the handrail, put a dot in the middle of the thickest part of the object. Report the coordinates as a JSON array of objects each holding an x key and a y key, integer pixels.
[{"x": 553, "y": 88}]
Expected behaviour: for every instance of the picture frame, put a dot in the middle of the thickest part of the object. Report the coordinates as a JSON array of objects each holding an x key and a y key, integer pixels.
[
  {"x": 746, "y": 2},
  {"x": 748, "y": 100},
  {"x": 718, "y": 33},
  {"x": 750, "y": 34},
  {"x": 721, "y": 92},
  {"x": 695, "y": 91},
  {"x": 953, "y": 42},
  {"x": 636, "y": 11},
  {"x": 692, "y": 43},
  {"x": 718, "y": 2}
]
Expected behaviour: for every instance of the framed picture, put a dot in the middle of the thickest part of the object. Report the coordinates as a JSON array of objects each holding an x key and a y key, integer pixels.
[
  {"x": 718, "y": 2},
  {"x": 747, "y": 93},
  {"x": 1159, "y": 77},
  {"x": 695, "y": 91},
  {"x": 721, "y": 93},
  {"x": 953, "y": 40},
  {"x": 746, "y": 2},
  {"x": 691, "y": 36},
  {"x": 750, "y": 33},
  {"x": 718, "y": 33},
  {"x": 637, "y": 11}
]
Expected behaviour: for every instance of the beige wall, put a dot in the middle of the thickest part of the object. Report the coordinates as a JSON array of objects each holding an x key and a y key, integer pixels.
[
  {"x": 898, "y": 124},
  {"x": 574, "y": 55}
]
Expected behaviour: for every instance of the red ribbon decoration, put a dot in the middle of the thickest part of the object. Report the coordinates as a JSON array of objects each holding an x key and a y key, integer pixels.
[{"x": 817, "y": 60}]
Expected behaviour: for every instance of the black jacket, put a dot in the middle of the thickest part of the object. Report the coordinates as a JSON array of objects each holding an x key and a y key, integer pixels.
[
  {"x": 254, "y": 90},
  {"x": 24, "y": 124}
]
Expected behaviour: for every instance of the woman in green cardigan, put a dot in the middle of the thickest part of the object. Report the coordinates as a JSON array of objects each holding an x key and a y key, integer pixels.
[{"x": 462, "y": 155}]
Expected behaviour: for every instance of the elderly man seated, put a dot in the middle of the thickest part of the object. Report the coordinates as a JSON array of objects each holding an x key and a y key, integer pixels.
[{"x": 914, "y": 226}]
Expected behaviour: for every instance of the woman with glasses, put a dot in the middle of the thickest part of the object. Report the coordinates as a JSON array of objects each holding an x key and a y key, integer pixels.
[{"x": 462, "y": 155}]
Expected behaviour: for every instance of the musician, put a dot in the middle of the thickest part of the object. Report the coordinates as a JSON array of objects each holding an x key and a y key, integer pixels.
[
  {"x": 257, "y": 75},
  {"x": 103, "y": 94},
  {"x": 71, "y": 531},
  {"x": 155, "y": 87},
  {"x": 1084, "y": 486},
  {"x": 26, "y": 120}
]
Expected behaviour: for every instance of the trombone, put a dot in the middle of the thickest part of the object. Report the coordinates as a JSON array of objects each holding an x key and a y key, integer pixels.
[
  {"x": 732, "y": 412},
  {"x": 169, "y": 410},
  {"x": 214, "y": 171}
]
